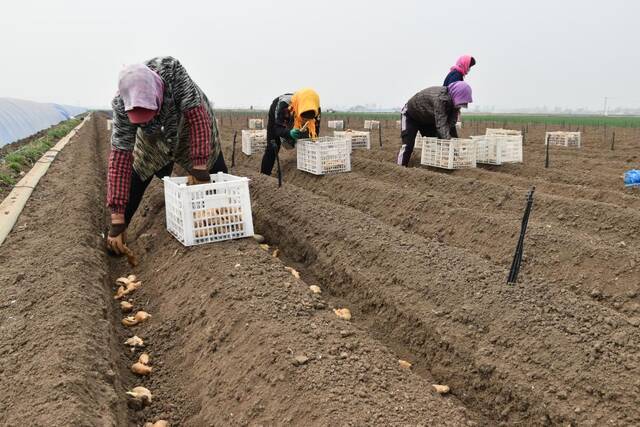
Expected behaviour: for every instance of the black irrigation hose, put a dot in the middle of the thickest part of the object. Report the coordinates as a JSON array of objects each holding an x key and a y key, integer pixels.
[
  {"x": 517, "y": 257},
  {"x": 233, "y": 152}
]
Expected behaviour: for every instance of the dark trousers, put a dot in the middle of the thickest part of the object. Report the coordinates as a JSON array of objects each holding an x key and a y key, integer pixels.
[
  {"x": 269, "y": 157},
  {"x": 138, "y": 186},
  {"x": 273, "y": 142},
  {"x": 409, "y": 130}
]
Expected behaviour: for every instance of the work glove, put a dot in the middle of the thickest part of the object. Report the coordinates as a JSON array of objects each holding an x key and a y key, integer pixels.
[
  {"x": 198, "y": 176},
  {"x": 295, "y": 134},
  {"x": 116, "y": 240}
]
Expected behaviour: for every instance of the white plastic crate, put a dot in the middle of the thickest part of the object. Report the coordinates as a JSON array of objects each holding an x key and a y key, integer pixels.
[
  {"x": 371, "y": 124},
  {"x": 498, "y": 149},
  {"x": 448, "y": 153},
  {"x": 205, "y": 213},
  {"x": 327, "y": 154},
  {"x": 256, "y": 124},
  {"x": 335, "y": 124},
  {"x": 358, "y": 139},
  {"x": 502, "y": 132},
  {"x": 253, "y": 141},
  {"x": 563, "y": 139}
]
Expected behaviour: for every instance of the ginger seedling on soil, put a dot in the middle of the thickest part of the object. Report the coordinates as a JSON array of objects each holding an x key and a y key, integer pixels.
[
  {"x": 404, "y": 364},
  {"x": 140, "y": 369},
  {"x": 135, "y": 341},
  {"x": 343, "y": 313},
  {"x": 127, "y": 285},
  {"x": 293, "y": 272},
  {"x": 131, "y": 258},
  {"x": 136, "y": 319},
  {"x": 441, "y": 389},
  {"x": 141, "y": 366},
  {"x": 140, "y": 396}
]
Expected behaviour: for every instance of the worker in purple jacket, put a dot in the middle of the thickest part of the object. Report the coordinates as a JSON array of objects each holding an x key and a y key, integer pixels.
[{"x": 433, "y": 112}]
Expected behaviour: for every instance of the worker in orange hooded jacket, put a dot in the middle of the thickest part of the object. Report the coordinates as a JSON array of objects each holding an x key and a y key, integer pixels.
[{"x": 291, "y": 117}]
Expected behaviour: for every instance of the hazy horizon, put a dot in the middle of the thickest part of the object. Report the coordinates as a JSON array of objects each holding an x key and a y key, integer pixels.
[{"x": 565, "y": 54}]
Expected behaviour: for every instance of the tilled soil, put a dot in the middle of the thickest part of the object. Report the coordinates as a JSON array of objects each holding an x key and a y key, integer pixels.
[
  {"x": 56, "y": 342},
  {"x": 234, "y": 338},
  {"x": 228, "y": 324},
  {"x": 424, "y": 247},
  {"x": 419, "y": 256}
]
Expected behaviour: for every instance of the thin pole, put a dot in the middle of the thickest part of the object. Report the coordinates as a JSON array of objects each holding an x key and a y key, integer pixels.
[
  {"x": 233, "y": 150},
  {"x": 546, "y": 157},
  {"x": 613, "y": 139}
]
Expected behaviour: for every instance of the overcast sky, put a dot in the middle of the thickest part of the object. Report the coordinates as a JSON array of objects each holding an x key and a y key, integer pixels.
[{"x": 566, "y": 53}]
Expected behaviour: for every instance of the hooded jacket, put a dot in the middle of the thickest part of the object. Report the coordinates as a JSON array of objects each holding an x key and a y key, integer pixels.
[{"x": 283, "y": 116}]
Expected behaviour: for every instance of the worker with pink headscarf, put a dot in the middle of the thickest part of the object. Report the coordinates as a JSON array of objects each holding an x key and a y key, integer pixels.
[{"x": 461, "y": 69}]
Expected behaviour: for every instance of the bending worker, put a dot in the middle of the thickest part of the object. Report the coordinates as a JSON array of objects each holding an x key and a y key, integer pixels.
[
  {"x": 160, "y": 117},
  {"x": 433, "y": 112},
  {"x": 291, "y": 117},
  {"x": 461, "y": 69}
]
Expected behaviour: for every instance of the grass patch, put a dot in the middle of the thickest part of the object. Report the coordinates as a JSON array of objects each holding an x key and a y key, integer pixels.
[
  {"x": 15, "y": 157},
  {"x": 6, "y": 179},
  {"x": 17, "y": 161},
  {"x": 610, "y": 121}
]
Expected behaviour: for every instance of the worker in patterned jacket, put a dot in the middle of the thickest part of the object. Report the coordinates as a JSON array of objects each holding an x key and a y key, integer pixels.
[
  {"x": 160, "y": 117},
  {"x": 433, "y": 112},
  {"x": 291, "y": 117}
]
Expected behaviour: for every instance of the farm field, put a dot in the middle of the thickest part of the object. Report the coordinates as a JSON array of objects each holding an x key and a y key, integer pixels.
[{"x": 419, "y": 256}]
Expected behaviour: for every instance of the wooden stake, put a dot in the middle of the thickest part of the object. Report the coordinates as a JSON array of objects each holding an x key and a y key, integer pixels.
[{"x": 613, "y": 139}]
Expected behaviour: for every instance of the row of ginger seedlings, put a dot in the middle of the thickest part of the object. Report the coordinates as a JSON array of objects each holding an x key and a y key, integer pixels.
[{"x": 140, "y": 396}]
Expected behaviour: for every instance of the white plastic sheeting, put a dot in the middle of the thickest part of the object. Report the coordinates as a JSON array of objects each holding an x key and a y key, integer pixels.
[{"x": 20, "y": 118}]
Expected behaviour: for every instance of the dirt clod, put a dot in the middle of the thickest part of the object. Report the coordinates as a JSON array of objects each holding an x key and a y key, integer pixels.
[{"x": 300, "y": 360}]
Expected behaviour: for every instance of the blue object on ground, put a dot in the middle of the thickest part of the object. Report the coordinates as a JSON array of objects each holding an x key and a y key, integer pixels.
[{"x": 632, "y": 178}]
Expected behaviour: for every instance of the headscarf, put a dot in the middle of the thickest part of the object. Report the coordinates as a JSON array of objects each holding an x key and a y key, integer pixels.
[
  {"x": 460, "y": 93},
  {"x": 305, "y": 100},
  {"x": 463, "y": 64},
  {"x": 140, "y": 87}
]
